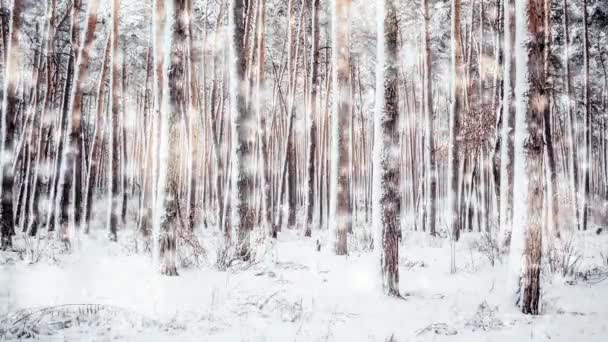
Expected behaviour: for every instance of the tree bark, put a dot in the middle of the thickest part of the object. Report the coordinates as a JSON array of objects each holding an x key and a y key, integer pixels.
[
  {"x": 341, "y": 122},
  {"x": 386, "y": 143},
  {"x": 533, "y": 163},
  {"x": 245, "y": 136}
]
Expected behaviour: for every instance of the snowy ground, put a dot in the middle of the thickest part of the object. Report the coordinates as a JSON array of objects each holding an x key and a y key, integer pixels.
[{"x": 296, "y": 294}]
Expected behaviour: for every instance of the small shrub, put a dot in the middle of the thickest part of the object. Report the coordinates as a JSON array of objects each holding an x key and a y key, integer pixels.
[
  {"x": 564, "y": 257},
  {"x": 488, "y": 245}
]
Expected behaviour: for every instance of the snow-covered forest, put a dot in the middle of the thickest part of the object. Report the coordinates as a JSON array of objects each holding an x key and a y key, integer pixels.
[{"x": 306, "y": 170}]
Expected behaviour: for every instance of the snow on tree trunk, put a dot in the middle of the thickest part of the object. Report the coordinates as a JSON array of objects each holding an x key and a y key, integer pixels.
[
  {"x": 531, "y": 100},
  {"x": 73, "y": 155},
  {"x": 245, "y": 125},
  {"x": 9, "y": 114},
  {"x": 587, "y": 118},
  {"x": 115, "y": 175},
  {"x": 508, "y": 121},
  {"x": 571, "y": 120},
  {"x": 341, "y": 120},
  {"x": 429, "y": 148},
  {"x": 312, "y": 140},
  {"x": 386, "y": 171},
  {"x": 454, "y": 144}
]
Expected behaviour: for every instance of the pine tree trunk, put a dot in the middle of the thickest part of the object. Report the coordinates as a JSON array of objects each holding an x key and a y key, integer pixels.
[
  {"x": 314, "y": 89},
  {"x": 431, "y": 181},
  {"x": 115, "y": 127},
  {"x": 341, "y": 122},
  {"x": 97, "y": 147},
  {"x": 587, "y": 118},
  {"x": 9, "y": 116},
  {"x": 456, "y": 108},
  {"x": 386, "y": 142},
  {"x": 508, "y": 130},
  {"x": 245, "y": 136},
  {"x": 73, "y": 157},
  {"x": 571, "y": 116},
  {"x": 533, "y": 163},
  {"x": 551, "y": 164}
]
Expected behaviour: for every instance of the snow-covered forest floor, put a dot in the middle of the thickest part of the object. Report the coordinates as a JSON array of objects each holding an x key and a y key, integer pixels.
[{"x": 103, "y": 291}]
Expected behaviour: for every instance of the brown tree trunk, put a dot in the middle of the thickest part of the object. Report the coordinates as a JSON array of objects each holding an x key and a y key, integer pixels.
[
  {"x": 341, "y": 122},
  {"x": 587, "y": 118},
  {"x": 314, "y": 89},
  {"x": 73, "y": 157},
  {"x": 571, "y": 116},
  {"x": 10, "y": 108},
  {"x": 429, "y": 148},
  {"x": 533, "y": 149},
  {"x": 98, "y": 134},
  {"x": 547, "y": 118},
  {"x": 245, "y": 136},
  {"x": 114, "y": 130},
  {"x": 457, "y": 107},
  {"x": 387, "y": 140}
]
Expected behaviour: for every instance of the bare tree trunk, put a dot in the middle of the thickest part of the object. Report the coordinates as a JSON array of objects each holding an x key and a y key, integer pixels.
[
  {"x": 341, "y": 125},
  {"x": 457, "y": 107},
  {"x": 587, "y": 115},
  {"x": 386, "y": 140},
  {"x": 571, "y": 116},
  {"x": 245, "y": 145},
  {"x": 429, "y": 148},
  {"x": 114, "y": 130},
  {"x": 508, "y": 121},
  {"x": 533, "y": 150},
  {"x": 554, "y": 203},
  {"x": 314, "y": 89},
  {"x": 73, "y": 157},
  {"x": 98, "y": 134},
  {"x": 9, "y": 116}
]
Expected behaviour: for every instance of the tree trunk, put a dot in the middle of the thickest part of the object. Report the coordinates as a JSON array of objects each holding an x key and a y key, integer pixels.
[
  {"x": 72, "y": 183},
  {"x": 429, "y": 149},
  {"x": 571, "y": 116},
  {"x": 587, "y": 116},
  {"x": 387, "y": 164},
  {"x": 314, "y": 89},
  {"x": 533, "y": 151},
  {"x": 341, "y": 121},
  {"x": 245, "y": 144},
  {"x": 115, "y": 128},
  {"x": 9, "y": 116},
  {"x": 457, "y": 107}
]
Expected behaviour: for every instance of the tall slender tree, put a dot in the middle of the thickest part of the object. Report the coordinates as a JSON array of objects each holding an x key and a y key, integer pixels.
[
  {"x": 429, "y": 148},
  {"x": 71, "y": 198},
  {"x": 245, "y": 135},
  {"x": 533, "y": 100},
  {"x": 457, "y": 106},
  {"x": 386, "y": 144},
  {"x": 114, "y": 122},
  {"x": 341, "y": 121},
  {"x": 10, "y": 111}
]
